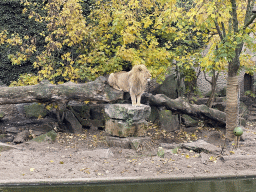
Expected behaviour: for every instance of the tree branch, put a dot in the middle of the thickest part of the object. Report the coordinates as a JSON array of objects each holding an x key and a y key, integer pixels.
[
  {"x": 218, "y": 29},
  {"x": 234, "y": 16},
  {"x": 223, "y": 29},
  {"x": 206, "y": 78},
  {"x": 247, "y": 20},
  {"x": 250, "y": 21}
]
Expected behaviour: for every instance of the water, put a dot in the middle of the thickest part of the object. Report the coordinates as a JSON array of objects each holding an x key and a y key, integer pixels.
[{"x": 234, "y": 185}]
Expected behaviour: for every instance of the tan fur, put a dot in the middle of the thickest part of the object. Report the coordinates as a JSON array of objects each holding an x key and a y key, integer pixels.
[{"x": 134, "y": 82}]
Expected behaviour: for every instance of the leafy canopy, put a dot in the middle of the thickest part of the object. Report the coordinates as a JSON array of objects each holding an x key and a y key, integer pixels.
[{"x": 120, "y": 33}]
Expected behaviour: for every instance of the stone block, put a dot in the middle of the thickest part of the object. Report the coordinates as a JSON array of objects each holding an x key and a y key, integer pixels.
[
  {"x": 125, "y": 129},
  {"x": 72, "y": 123},
  {"x": 127, "y": 112}
]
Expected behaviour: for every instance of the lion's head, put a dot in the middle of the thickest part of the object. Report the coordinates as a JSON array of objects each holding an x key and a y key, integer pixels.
[{"x": 142, "y": 72}]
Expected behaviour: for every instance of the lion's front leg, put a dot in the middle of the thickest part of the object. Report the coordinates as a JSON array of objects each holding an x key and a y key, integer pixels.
[
  {"x": 138, "y": 100},
  {"x": 133, "y": 97}
]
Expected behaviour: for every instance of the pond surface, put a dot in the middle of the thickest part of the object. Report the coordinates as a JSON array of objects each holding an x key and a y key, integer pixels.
[{"x": 234, "y": 185}]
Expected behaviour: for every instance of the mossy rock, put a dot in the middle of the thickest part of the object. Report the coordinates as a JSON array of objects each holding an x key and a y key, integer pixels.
[
  {"x": 50, "y": 136},
  {"x": 189, "y": 121},
  {"x": 168, "y": 120},
  {"x": 35, "y": 110},
  {"x": 2, "y": 114},
  {"x": 154, "y": 115}
]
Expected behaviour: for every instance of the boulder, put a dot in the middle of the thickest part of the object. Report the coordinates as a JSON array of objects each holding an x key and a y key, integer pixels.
[
  {"x": 124, "y": 143},
  {"x": 6, "y": 138},
  {"x": 21, "y": 137},
  {"x": 72, "y": 123},
  {"x": 168, "y": 121},
  {"x": 35, "y": 110},
  {"x": 154, "y": 115},
  {"x": 168, "y": 87},
  {"x": 189, "y": 121},
  {"x": 201, "y": 146},
  {"x": 49, "y": 137}
]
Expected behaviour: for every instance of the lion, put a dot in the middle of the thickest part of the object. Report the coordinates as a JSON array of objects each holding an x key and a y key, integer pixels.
[{"x": 134, "y": 82}]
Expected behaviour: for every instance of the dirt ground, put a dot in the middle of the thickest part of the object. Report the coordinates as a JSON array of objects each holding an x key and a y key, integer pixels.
[{"x": 88, "y": 156}]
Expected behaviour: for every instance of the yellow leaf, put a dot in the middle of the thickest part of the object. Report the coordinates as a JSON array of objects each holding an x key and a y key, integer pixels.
[
  {"x": 32, "y": 169},
  {"x": 51, "y": 161}
]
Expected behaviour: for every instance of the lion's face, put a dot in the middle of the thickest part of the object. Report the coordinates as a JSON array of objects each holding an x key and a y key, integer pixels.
[
  {"x": 148, "y": 75},
  {"x": 142, "y": 69}
]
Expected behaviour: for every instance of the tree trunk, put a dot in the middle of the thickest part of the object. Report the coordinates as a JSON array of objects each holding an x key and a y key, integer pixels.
[
  {"x": 97, "y": 90},
  {"x": 232, "y": 106}
]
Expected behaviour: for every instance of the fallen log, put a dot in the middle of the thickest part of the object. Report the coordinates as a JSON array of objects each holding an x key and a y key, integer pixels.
[
  {"x": 97, "y": 90},
  {"x": 182, "y": 106}
]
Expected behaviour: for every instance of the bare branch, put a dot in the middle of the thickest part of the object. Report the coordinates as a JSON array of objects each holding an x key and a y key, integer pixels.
[{"x": 206, "y": 78}]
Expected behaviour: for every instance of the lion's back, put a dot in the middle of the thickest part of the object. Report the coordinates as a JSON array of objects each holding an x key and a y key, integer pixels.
[{"x": 119, "y": 80}]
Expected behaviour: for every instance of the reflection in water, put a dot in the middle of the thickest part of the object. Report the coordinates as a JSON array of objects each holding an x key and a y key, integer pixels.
[{"x": 235, "y": 185}]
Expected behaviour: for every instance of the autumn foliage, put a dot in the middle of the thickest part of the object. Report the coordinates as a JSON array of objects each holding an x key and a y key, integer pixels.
[{"x": 119, "y": 34}]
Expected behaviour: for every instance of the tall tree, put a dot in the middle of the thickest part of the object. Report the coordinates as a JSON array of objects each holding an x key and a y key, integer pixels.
[{"x": 230, "y": 23}]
